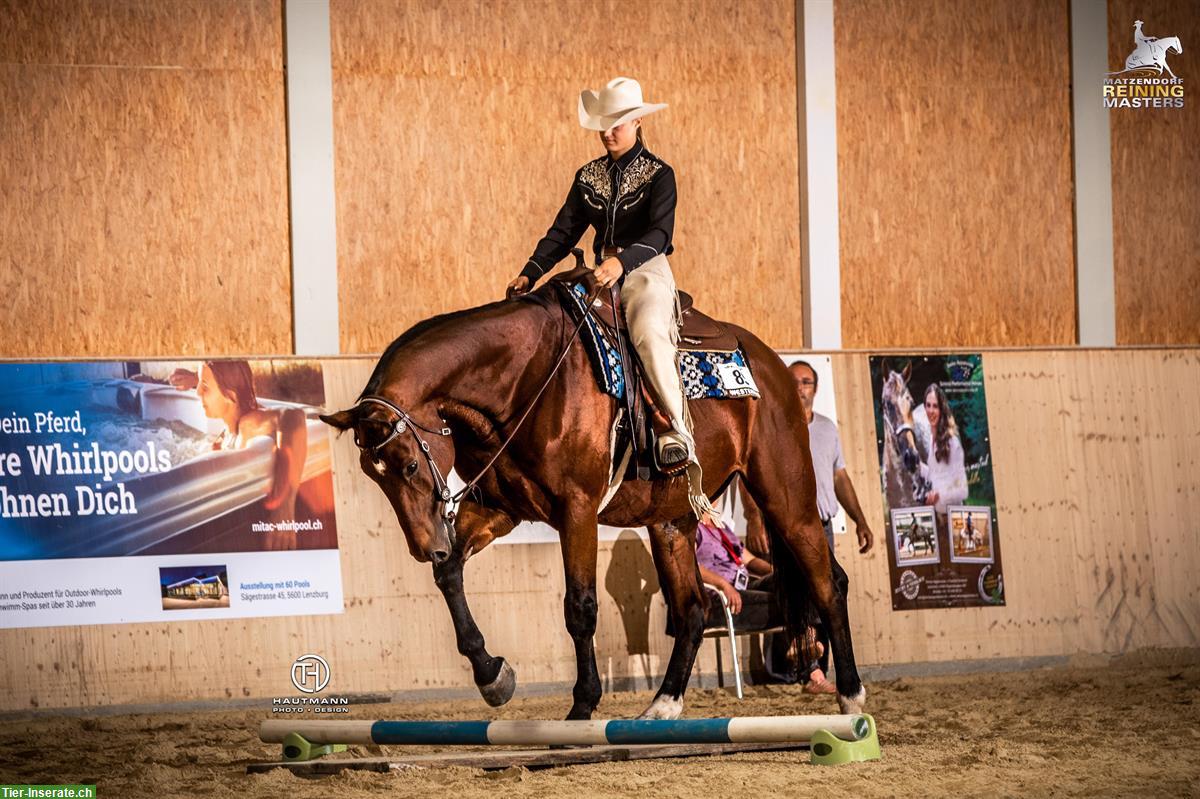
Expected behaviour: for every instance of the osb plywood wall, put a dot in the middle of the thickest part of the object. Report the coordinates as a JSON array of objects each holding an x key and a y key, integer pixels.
[
  {"x": 144, "y": 178},
  {"x": 1156, "y": 186},
  {"x": 1094, "y": 456},
  {"x": 1096, "y": 477},
  {"x": 456, "y": 139},
  {"x": 954, "y": 173}
]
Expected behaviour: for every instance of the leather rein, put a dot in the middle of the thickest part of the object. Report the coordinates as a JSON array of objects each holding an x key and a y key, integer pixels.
[{"x": 405, "y": 422}]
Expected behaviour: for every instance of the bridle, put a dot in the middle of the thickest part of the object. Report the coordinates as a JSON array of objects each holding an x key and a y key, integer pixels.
[
  {"x": 405, "y": 422},
  {"x": 896, "y": 427}
]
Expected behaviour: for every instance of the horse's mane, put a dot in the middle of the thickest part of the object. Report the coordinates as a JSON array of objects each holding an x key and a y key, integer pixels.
[{"x": 542, "y": 297}]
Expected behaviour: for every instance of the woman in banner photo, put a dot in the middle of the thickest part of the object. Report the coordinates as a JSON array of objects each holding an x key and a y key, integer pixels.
[
  {"x": 629, "y": 196},
  {"x": 944, "y": 466},
  {"x": 226, "y": 390}
]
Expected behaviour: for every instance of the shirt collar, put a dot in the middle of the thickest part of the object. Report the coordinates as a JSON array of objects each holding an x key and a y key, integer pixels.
[{"x": 624, "y": 161}]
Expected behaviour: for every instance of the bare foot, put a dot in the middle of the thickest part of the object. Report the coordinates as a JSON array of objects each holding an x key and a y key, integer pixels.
[{"x": 817, "y": 684}]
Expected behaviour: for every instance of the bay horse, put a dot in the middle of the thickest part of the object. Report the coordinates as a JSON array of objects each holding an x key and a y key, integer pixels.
[{"x": 450, "y": 392}]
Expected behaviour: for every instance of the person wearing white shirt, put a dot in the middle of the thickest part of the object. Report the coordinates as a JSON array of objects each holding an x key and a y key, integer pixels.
[{"x": 944, "y": 466}]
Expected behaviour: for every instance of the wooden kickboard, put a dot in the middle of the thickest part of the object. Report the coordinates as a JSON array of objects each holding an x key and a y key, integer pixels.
[{"x": 528, "y": 758}]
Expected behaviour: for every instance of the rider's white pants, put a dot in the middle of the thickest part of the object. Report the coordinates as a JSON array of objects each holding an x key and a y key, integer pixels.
[{"x": 651, "y": 311}]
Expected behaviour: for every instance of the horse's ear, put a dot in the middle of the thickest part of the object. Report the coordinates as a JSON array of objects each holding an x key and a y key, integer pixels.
[
  {"x": 342, "y": 420},
  {"x": 907, "y": 371}
]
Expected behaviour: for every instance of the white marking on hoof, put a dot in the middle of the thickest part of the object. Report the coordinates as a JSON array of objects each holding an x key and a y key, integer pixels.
[
  {"x": 664, "y": 707},
  {"x": 853, "y": 704}
]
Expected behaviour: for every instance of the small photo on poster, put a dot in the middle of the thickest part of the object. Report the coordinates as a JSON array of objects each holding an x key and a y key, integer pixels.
[
  {"x": 914, "y": 536},
  {"x": 194, "y": 587},
  {"x": 970, "y": 534}
]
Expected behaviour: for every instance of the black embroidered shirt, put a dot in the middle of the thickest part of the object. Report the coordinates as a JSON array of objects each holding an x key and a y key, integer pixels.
[{"x": 631, "y": 204}]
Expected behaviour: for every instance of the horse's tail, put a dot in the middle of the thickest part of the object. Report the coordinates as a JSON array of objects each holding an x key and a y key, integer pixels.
[
  {"x": 785, "y": 437},
  {"x": 794, "y": 596}
]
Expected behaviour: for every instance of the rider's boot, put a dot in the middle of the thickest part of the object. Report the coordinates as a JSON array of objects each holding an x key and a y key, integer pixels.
[{"x": 675, "y": 447}]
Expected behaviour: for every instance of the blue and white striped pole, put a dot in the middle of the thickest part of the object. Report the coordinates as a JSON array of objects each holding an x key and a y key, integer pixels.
[{"x": 739, "y": 729}]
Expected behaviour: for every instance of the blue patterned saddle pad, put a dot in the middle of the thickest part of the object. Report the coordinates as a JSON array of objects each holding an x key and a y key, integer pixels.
[{"x": 705, "y": 375}]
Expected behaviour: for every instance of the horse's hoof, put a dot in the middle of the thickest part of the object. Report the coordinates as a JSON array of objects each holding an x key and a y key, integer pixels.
[
  {"x": 580, "y": 713},
  {"x": 853, "y": 705},
  {"x": 501, "y": 689},
  {"x": 664, "y": 707}
]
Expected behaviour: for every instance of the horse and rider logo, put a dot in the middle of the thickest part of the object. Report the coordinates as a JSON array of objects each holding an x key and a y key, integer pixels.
[
  {"x": 1141, "y": 83},
  {"x": 1150, "y": 53}
]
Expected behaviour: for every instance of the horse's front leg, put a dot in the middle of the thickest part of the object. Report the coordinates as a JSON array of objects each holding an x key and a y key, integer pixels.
[
  {"x": 477, "y": 526},
  {"x": 674, "y": 548},
  {"x": 578, "y": 535}
]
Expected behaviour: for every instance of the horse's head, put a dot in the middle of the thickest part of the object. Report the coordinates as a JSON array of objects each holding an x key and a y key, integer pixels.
[
  {"x": 897, "y": 404},
  {"x": 402, "y": 457}
]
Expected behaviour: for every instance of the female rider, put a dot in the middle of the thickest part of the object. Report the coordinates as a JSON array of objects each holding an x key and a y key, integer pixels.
[{"x": 628, "y": 196}]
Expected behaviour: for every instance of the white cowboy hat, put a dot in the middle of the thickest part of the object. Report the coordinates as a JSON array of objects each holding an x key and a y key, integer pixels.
[{"x": 617, "y": 103}]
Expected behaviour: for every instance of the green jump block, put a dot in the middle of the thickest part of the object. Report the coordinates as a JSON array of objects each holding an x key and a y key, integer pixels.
[
  {"x": 829, "y": 750},
  {"x": 298, "y": 748}
]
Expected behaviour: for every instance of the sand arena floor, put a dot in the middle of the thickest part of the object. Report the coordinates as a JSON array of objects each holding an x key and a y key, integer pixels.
[{"x": 1129, "y": 727}]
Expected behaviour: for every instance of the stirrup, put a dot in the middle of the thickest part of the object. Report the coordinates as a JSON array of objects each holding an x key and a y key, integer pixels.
[{"x": 671, "y": 453}]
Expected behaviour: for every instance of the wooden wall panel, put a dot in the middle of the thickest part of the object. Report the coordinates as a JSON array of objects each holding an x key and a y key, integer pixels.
[
  {"x": 145, "y": 179},
  {"x": 456, "y": 138},
  {"x": 954, "y": 173},
  {"x": 1097, "y": 493},
  {"x": 183, "y": 34},
  {"x": 1096, "y": 465},
  {"x": 1156, "y": 187}
]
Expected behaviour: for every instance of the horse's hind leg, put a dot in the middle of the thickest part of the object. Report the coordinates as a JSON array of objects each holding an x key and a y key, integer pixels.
[
  {"x": 786, "y": 495},
  {"x": 674, "y": 549}
]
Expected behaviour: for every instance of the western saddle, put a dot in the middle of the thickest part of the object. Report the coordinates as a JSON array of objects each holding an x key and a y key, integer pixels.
[{"x": 644, "y": 421}]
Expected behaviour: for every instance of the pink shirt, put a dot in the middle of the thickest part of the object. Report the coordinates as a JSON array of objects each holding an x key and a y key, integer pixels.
[{"x": 712, "y": 554}]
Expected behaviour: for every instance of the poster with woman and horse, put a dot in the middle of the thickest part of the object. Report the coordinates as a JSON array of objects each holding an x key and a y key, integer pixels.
[{"x": 939, "y": 496}]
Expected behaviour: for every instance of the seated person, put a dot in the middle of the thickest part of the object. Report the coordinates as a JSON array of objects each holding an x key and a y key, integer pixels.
[{"x": 726, "y": 564}]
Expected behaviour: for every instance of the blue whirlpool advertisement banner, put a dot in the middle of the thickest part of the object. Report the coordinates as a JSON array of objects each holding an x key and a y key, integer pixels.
[
  {"x": 939, "y": 496},
  {"x": 160, "y": 491}
]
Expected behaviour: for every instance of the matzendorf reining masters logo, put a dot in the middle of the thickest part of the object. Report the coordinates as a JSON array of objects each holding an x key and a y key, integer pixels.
[{"x": 1141, "y": 84}]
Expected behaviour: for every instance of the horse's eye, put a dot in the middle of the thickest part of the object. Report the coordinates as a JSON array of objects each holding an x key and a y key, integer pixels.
[{"x": 410, "y": 469}]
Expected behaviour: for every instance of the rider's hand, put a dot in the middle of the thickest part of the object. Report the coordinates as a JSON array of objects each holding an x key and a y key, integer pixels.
[
  {"x": 865, "y": 538},
  {"x": 520, "y": 285},
  {"x": 609, "y": 272},
  {"x": 731, "y": 593}
]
